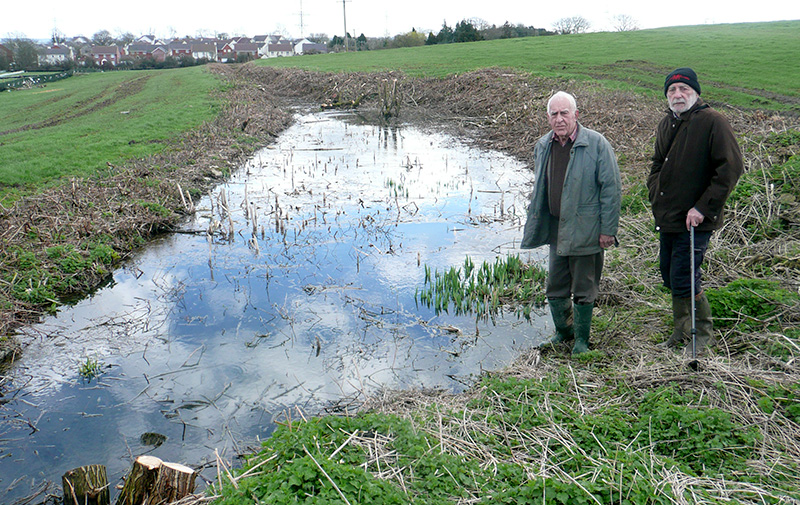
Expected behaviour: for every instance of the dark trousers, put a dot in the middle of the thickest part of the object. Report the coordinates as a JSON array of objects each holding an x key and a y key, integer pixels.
[
  {"x": 577, "y": 277},
  {"x": 675, "y": 259}
]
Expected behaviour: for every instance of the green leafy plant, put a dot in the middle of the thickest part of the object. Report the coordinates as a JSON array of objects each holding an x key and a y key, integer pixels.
[
  {"x": 702, "y": 439},
  {"x": 156, "y": 208},
  {"x": 749, "y": 302},
  {"x": 90, "y": 369}
]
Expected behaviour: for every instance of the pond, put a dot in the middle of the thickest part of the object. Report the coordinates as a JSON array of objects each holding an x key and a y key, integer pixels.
[{"x": 291, "y": 290}]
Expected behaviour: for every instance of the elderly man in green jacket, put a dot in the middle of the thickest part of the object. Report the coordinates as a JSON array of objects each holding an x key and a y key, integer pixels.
[{"x": 575, "y": 209}]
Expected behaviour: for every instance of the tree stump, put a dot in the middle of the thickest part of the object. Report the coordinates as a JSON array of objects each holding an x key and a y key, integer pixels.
[
  {"x": 174, "y": 482},
  {"x": 140, "y": 481},
  {"x": 86, "y": 485}
]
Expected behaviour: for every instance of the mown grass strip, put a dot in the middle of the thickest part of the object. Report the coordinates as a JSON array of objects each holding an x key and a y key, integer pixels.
[{"x": 76, "y": 127}]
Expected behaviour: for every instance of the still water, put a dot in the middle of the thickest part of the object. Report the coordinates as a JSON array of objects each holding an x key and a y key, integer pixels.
[{"x": 291, "y": 289}]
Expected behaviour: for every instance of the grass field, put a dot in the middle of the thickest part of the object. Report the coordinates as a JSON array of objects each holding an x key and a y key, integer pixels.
[
  {"x": 735, "y": 62},
  {"x": 76, "y": 126}
]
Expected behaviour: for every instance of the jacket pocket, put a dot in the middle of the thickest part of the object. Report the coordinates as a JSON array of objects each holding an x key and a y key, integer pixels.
[
  {"x": 587, "y": 226},
  {"x": 652, "y": 187},
  {"x": 588, "y": 209}
]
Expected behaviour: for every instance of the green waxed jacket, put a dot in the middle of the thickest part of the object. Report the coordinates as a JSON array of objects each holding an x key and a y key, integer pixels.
[{"x": 590, "y": 201}]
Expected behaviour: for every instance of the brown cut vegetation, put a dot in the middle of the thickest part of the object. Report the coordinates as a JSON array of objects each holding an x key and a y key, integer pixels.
[{"x": 505, "y": 111}]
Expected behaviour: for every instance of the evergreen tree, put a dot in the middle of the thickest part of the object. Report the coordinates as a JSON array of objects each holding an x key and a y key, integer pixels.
[
  {"x": 466, "y": 32},
  {"x": 445, "y": 35}
]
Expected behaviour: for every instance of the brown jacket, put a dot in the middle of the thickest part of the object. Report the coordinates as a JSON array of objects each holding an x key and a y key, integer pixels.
[{"x": 696, "y": 163}]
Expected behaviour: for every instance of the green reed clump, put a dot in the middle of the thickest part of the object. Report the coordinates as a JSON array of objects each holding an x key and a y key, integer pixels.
[{"x": 484, "y": 290}]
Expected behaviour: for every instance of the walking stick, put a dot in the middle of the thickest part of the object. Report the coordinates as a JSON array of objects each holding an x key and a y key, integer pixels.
[{"x": 692, "y": 364}]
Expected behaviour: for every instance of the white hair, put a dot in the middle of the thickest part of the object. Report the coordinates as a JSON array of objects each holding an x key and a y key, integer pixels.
[{"x": 563, "y": 94}]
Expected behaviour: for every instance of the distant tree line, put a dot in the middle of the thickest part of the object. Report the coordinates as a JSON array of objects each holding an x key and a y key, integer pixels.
[
  {"x": 464, "y": 31},
  {"x": 467, "y": 30},
  {"x": 24, "y": 54}
]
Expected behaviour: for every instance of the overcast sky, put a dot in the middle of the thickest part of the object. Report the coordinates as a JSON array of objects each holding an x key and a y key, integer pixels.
[{"x": 374, "y": 18}]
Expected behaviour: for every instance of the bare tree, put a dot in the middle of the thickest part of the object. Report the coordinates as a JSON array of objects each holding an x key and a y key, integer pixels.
[
  {"x": 102, "y": 38},
  {"x": 25, "y": 50},
  {"x": 126, "y": 38},
  {"x": 574, "y": 24},
  {"x": 625, "y": 23},
  {"x": 480, "y": 24},
  {"x": 319, "y": 38}
]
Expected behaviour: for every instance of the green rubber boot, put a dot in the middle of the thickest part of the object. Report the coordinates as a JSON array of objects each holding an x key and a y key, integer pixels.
[
  {"x": 681, "y": 318},
  {"x": 583, "y": 326},
  {"x": 561, "y": 310}
]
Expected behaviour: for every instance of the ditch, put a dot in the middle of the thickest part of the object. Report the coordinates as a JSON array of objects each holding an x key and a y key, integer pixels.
[{"x": 290, "y": 292}]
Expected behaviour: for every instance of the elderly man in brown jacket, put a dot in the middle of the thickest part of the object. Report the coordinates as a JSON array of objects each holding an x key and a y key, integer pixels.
[{"x": 696, "y": 165}]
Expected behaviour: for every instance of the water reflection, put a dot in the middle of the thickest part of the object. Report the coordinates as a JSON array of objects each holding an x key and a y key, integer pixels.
[{"x": 292, "y": 286}]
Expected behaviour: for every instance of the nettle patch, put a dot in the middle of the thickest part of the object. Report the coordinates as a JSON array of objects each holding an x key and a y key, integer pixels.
[
  {"x": 55, "y": 272},
  {"x": 555, "y": 438}
]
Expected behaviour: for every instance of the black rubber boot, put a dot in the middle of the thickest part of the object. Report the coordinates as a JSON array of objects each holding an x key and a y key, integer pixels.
[{"x": 703, "y": 324}]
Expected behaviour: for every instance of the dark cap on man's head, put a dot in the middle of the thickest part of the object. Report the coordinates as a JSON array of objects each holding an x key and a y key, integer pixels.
[{"x": 684, "y": 75}]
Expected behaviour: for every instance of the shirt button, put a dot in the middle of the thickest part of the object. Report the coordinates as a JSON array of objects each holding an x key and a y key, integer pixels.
[{"x": 661, "y": 193}]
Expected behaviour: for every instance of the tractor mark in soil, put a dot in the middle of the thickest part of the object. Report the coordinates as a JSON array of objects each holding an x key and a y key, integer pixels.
[{"x": 123, "y": 90}]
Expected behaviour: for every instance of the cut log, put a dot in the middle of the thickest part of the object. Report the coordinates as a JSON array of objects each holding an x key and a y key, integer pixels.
[
  {"x": 86, "y": 485},
  {"x": 140, "y": 481},
  {"x": 174, "y": 482}
]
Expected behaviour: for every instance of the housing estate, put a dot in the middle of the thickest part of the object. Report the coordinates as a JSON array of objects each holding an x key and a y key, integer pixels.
[{"x": 207, "y": 49}]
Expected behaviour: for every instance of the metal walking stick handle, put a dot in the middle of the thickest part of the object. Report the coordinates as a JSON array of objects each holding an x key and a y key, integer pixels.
[{"x": 691, "y": 273}]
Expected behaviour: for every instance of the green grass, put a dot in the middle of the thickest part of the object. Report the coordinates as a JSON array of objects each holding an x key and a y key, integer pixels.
[
  {"x": 735, "y": 62},
  {"x": 74, "y": 127}
]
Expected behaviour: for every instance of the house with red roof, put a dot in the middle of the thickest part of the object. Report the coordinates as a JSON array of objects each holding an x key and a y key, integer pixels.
[{"x": 106, "y": 55}]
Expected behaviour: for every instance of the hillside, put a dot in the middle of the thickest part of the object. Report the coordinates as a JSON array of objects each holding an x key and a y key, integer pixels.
[{"x": 738, "y": 61}]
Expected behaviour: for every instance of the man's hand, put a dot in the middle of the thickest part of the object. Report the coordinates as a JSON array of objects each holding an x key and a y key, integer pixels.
[
  {"x": 606, "y": 241},
  {"x": 693, "y": 218}
]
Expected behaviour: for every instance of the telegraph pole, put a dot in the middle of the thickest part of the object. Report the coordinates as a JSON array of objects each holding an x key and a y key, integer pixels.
[
  {"x": 301, "y": 20},
  {"x": 344, "y": 13}
]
